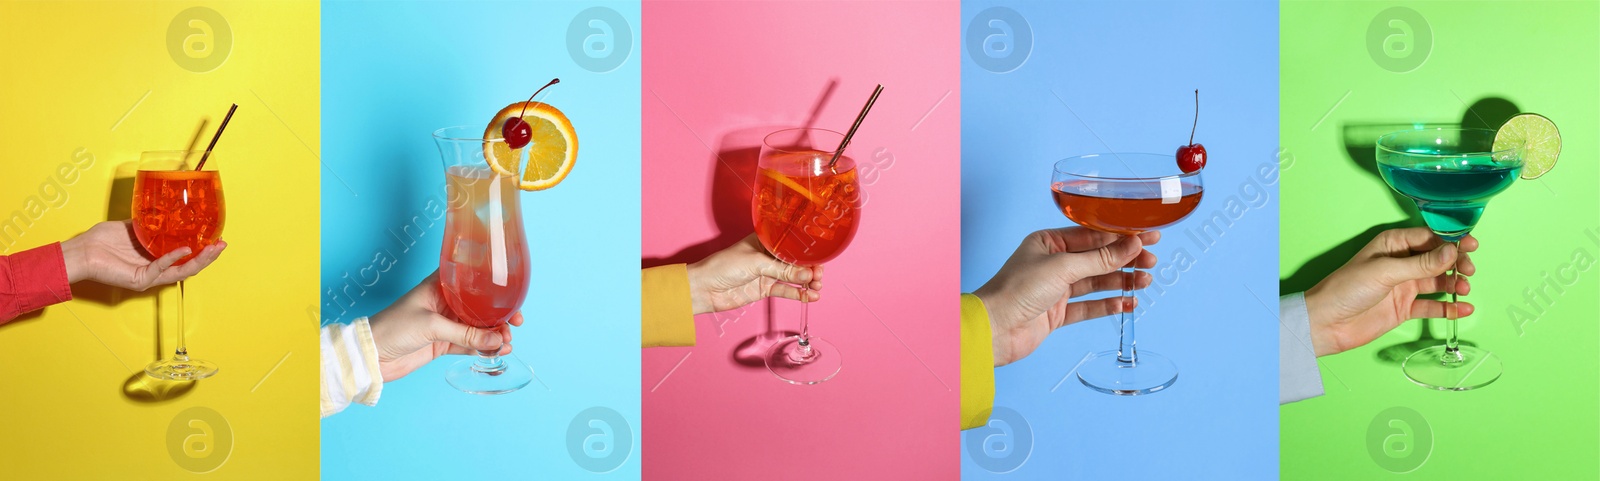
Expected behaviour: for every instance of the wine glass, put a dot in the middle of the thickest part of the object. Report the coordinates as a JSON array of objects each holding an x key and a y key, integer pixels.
[
  {"x": 806, "y": 209},
  {"x": 1126, "y": 194},
  {"x": 177, "y": 205},
  {"x": 483, "y": 264}
]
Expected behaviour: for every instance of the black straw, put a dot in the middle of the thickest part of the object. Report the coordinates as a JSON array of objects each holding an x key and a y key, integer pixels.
[
  {"x": 214, "y": 138},
  {"x": 852, "y": 132}
]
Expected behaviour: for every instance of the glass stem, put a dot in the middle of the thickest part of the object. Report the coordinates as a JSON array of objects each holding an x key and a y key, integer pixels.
[
  {"x": 489, "y": 362},
  {"x": 805, "y": 321},
  {"x": 183, "y": 348},
  {"x": 1126, "y": 352},
  {"x": 1452, "y": 348}
]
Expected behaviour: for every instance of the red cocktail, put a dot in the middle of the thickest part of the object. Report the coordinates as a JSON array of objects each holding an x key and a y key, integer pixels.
[{"x": 176, "y": 206}]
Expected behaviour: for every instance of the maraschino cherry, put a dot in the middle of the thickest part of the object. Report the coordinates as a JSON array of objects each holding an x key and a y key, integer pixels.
[
  {"x": 1192, "y": 157},
  {"x": 516, "y": 131}
]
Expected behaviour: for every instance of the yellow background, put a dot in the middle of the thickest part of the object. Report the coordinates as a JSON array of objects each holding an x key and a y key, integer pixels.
[{"x": 73, "y": 401}]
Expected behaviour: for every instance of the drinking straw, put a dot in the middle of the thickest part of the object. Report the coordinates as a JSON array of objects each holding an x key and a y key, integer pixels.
[
  {"x": 216, "y": 136},
  {"x": 857, "y": 125}
]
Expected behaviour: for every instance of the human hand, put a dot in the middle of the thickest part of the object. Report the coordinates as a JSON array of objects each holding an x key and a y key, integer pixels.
[
  {"x": 108, "y": 253},
  {"x": 1030, "y": 296},
  {"x": 416, "y": 329},
  {"x": 744, "y": 273},
  {"x": 1377, "y": 289}
]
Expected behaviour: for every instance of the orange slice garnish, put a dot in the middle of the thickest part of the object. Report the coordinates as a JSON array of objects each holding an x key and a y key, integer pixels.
[{"x": 552, "y": 150}]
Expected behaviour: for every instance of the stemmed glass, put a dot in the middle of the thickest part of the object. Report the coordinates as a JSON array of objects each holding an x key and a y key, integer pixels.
[
  {"x": 175, "y": 206},
  {"x": 806, "y": 210},
  {"x": 1451, "y": 173},
  {"x": 1126, "y": 194},
  {"x": 483, "y": 264}
]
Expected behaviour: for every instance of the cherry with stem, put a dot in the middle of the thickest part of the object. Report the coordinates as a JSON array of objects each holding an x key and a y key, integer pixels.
[{"x": 516, "y": 131}]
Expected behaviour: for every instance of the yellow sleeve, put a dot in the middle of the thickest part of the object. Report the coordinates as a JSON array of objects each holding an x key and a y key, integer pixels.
[
  {"x": 668, "y": 315},
  {"x": 977, "y": 363}
]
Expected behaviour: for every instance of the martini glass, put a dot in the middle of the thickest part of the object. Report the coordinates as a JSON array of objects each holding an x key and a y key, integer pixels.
[
  {"x": 1126, "y": 194},
  {"x": 806, "y": 211},
  {"x": 483, "y": 262},
  {"x": 1451, "y": 173}
]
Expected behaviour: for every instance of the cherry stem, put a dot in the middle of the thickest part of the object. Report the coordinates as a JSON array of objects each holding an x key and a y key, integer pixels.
[
  {"x": 1196, "y": 116},
  {"x": 557, "y": 80}
]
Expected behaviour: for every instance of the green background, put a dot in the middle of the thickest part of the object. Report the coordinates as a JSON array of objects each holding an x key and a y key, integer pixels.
[{"x": 1498, "y": 58}]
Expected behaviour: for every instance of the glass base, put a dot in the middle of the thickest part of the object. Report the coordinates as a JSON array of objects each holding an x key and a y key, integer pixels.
[
  {"x": 1150, "y": 373},
  {"x": 489, "y": 375},
  {"x": 1468, "y": 368},
  {"x": 798, "y": 364},
  {"x": 181, "y": 369}
]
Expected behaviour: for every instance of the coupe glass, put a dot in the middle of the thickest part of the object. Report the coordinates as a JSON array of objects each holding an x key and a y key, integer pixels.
[
  {"x": 176, "y": 206},
  {"x": 806, "y": 211},
  {"x": 1125, "y": 194}
]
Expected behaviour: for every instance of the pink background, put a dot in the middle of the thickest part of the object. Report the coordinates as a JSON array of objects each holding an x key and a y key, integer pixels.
[{"x": 718, "y": 76}]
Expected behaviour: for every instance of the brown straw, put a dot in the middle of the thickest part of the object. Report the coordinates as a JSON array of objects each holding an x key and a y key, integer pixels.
[
  {"x": 214, "y": 138},
  {"x": 852, "y": 132}
]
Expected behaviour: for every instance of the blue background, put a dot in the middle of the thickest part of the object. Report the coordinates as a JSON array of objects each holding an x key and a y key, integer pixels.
[
  {"x": 391, "y": 74},
  {"x": 1128, "y": 70}
]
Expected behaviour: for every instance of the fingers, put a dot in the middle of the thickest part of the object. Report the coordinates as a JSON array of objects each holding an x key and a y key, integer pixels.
[
  {"x": 505, "y": 334},
  {"x": 1145, "y": 260},
  {"x": 1465, "y": 265},
  {"x": 1109, "y": 282},
  {"x": 442, "y": 329},
  {"x": 778, "y": 289},
  {"x": 150, "y": 274},
  {"x": 1070, "y": 239},
  {"x": 1416, "y": 240},
  {"x": 455, "y": 350},
  {"x": 1083, "y": 265},
  {"x": 1443, "y": 283},
  {"x": 783, "y": 271},
  {"x": 207, "y": 255},
  {"x": 1393, "y": 271},
  {"x": 1431, "y": 309},
  {"x": 1085, "y": 310},
  {"x": 1407, "y": 240},
  {"x": 1150, "y": 238}
]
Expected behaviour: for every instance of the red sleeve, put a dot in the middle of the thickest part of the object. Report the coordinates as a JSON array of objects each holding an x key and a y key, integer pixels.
[{"x": 32, "y": 279}]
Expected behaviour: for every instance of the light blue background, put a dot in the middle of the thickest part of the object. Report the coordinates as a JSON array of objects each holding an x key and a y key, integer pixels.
[
  {"x": 391, "y": 74},
  {"x": 1129, "y": 70}
]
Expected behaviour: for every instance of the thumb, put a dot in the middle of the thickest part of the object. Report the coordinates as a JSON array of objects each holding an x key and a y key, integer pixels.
[
  {"x": 442, "y": 329},
  {"x": 1104, "y": 260},
  {"x": 1397, "y": 270}
]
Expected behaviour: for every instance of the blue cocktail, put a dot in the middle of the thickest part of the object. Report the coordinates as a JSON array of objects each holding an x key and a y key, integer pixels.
[{"x": 1451, "y": 173}]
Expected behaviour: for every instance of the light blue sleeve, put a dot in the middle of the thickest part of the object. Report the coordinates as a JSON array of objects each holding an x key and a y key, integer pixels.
[{"x": 1298, "y": 377}]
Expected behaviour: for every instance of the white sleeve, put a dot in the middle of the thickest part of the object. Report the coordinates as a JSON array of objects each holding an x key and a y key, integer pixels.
[
  {"x": 350, "y": 370},
  {"x": 1298, "y": 377}
]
